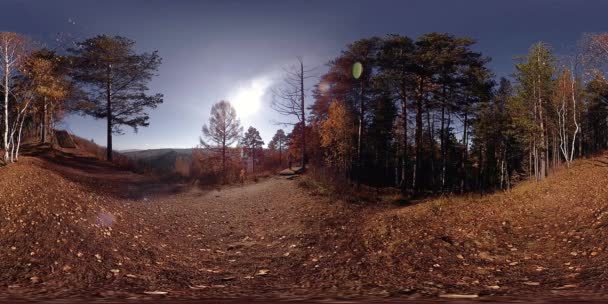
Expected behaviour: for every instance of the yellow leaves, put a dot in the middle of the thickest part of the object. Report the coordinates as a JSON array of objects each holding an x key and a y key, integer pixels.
[{"x": 337, "y": 132}]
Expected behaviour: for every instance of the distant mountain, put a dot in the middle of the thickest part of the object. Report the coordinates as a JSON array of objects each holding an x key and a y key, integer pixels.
[
  {"x": 158, "y": 160},
  {"x": 128, "y": 150},
  {"x": 153, "y": 153}
]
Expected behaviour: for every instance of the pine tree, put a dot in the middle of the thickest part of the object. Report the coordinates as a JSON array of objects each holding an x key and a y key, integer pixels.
[
  {"x": 534, "y": 88},
  {"x": 252, "y": 141},
  {"x": 278, "y": 142},
  {"x": 115, "y": 78}
]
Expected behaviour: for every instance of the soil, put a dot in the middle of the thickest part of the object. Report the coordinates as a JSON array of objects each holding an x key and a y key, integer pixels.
[{"x": 75, "y": 228}]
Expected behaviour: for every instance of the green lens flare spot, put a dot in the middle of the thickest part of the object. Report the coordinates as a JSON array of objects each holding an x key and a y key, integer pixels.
[{"x": 357, "y": 70}]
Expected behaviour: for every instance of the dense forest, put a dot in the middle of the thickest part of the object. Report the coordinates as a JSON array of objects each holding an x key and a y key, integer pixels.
[{"x": 428, "y": 116}]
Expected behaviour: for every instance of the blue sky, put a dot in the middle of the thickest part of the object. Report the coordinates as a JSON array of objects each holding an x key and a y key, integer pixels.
[{"x": 215, "y": 50}]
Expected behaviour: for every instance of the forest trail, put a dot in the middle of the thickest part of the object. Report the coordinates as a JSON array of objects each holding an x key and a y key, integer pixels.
[{"x": 64, "y": 234}]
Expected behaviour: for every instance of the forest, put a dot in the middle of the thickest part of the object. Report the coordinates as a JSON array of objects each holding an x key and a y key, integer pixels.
[
  {"x": 424, "y": 115},
  {"x": 428, "y": 116}
]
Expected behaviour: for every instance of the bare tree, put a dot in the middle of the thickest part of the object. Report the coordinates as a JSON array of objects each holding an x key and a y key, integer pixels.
[
  {"x": 13, "y": 49},
  {"x": 288, "y": 99},
  {"x": 223, "y": 130}
]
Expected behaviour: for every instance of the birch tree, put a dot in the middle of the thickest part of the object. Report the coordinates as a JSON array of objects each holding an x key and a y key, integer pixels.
[{"x": 13, "y": 49}]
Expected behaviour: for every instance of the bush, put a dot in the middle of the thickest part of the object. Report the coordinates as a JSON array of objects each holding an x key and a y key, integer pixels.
[{"x": 206, "y": 167}]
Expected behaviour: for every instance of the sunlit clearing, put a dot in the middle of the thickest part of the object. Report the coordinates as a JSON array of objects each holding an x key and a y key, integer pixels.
[{"x": 247, "y": 99}]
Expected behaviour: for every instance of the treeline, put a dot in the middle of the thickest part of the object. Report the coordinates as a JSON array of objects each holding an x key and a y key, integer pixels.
[
  {"x": 101, "y": 76},
  {"x": 428, "y": 116}
]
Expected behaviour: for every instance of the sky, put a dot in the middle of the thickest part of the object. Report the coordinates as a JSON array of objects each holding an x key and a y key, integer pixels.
[{"x": 237, "y": 50}]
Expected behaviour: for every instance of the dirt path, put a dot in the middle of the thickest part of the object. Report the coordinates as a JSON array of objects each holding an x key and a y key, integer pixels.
[
  {"x": 250, "y": 236},
  {"x": 120, "y": 235}
]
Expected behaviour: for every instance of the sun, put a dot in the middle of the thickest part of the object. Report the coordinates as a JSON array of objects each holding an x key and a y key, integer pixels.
[{"x": 247, "y": 99}]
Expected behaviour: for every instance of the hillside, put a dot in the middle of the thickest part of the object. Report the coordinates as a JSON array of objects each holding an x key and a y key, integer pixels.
[
  {"x": 73, "y": 226},
  {"x": 158, "y": 160}
]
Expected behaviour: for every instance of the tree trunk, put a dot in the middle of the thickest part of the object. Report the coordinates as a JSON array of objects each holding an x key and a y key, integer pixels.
[
  {"x": 574, "y": 117},
  {"x": 44, "y": 122},
  {"x": 543, "y": 148},
  {"x": 465, "y": 150},
  {"x": 224, "y": 158},
  {"x": 417, "y": 171},
  {"x": 443, "y": 149},
  {"x": 404, "y": 122},
  {"x": 109, "y": 114},
  {"x": 19, "y": 136},
  {"x": 432, "y": 145},
  {"x": 360, "y": 133},
  {"x": 303, "y": 114},
  {"x": 6, "y": 93}
]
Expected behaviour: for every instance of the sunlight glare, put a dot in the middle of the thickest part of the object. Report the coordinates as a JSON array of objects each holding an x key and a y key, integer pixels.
[{"x": 247, "y": 99}]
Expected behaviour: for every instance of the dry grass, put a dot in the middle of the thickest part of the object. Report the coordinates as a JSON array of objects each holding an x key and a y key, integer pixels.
[{"x": 99, "y": 152}]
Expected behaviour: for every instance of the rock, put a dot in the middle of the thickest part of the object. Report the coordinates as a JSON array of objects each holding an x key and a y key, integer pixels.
[
  {"x": 495, "y": 287},
  {"x": 459, "y": 296},
  {"x": 263, "y": 272},
  {"x": 567, "y": 286},
  {"x": 199, "y": 287},
  {"x": 485, "y": 256}
]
